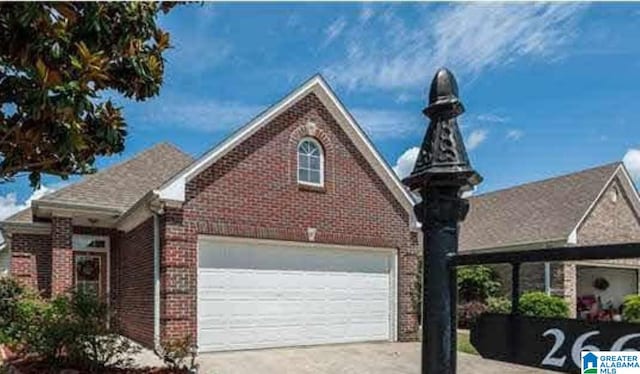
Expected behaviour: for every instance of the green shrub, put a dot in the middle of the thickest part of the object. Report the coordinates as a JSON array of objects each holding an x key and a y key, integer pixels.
[
  {"x": 469, "y": 312},
  {"x": 631, "y": 308},
  {"x": 10, "y": 293},
  {"x": 69, "y": 330},
  {"x": 41, "y": 328},
  {"x": 539, "y": 304},
  {"x": 498, "y": 305},
  {"x": 477, "y": 283},
  {"x": 95, "y": 345},
  {"x": 179, "y": 354}
]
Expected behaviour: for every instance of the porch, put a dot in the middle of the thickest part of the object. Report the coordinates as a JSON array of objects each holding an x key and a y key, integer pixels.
[{"x": 601, "y": 290}]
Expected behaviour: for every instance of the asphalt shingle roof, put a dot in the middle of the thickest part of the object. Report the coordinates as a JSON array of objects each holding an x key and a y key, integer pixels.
[
  {"x": 539, "y": 211},
  {"x": 21, "y": 216},
  {"x": 122, "y": 185}
]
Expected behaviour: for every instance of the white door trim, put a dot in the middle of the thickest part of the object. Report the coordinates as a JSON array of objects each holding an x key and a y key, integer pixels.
[
  {"x": 393, "y": 267},
  {"x": 76, "y": 238}
]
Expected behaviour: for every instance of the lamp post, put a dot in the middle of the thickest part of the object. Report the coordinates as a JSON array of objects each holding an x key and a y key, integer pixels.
[{"x": 441, "y": 173}]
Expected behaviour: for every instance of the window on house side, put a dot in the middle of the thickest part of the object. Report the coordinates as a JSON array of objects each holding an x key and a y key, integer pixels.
[{"x": 310, "y": 162}]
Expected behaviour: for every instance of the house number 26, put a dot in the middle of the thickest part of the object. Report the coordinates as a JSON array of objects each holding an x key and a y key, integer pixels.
[{"x": 578, "y": 346}]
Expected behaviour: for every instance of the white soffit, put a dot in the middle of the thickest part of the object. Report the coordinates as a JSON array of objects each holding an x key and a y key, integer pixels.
[{"x": 174, "y": 189}]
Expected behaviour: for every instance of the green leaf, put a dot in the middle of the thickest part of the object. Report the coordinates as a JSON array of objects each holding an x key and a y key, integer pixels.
[{"x": 62, "y": 55}]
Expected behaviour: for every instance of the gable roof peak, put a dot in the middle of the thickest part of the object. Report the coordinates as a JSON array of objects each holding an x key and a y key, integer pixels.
[
  {"x": 540, "y": 212},
  {"x": 174, "y": 189}
]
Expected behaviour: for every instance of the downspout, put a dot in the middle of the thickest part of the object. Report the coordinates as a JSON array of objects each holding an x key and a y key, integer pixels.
[
  {"x": 547, "y": 278},
  {"x": 156, "y": 280},
  {"x": 156, "y": 211},
  {"x": 7, "y": 249}
]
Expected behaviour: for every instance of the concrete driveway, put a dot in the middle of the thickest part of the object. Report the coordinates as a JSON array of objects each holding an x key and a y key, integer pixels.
[{"x": 369, "y": 358}]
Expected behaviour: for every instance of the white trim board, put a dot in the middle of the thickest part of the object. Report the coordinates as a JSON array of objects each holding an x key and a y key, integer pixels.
[
  {"x": 174, "y": 189},
  {"x": 78, "y": 238}
]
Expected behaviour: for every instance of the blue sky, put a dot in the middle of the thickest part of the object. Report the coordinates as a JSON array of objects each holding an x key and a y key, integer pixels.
[{"x": 549, "y": 88}]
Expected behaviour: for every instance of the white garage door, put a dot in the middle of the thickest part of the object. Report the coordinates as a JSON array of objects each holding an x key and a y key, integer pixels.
[{"x": 255, "y": 295}]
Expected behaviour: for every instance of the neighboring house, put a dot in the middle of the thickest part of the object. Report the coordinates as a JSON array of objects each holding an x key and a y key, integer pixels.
[
  {"x": 594, "y": 206},
  {"x": 292, "y": 231}
]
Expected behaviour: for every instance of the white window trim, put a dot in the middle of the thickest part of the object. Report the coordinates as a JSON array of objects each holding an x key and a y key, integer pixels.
[{"x": 321, "y": 150}]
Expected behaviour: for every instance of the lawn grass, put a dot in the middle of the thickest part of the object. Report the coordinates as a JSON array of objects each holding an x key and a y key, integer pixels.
[{"x": 464, "y": 345}]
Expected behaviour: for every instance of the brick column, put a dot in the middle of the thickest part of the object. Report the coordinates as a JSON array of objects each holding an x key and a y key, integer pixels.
[
  {"x": 61, "y": 255},
  {"x": 407, "y": 291},
  {"x": 570, "y": 287},
  {"x": 178, "y": 277}
]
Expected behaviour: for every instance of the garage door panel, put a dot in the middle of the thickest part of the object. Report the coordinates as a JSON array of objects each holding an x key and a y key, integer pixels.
[
  {"x": 265, "y": 337},
  {"x": 258, "y": 296},
  {"x": 238, "y": 255}
]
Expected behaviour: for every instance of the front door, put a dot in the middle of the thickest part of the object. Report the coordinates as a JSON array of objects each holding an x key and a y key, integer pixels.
[{"x": 90, "y": 272}]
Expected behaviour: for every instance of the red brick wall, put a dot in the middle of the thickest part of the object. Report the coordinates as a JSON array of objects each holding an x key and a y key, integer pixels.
[
  {"x": 253, "y": 192},
  {"x": 178, "y": 276},
  {"x": 131, "y": 270},
  {"x": 61, "y": 255},
  {"x": 612, "y": 220},
  {"x": 132, "y": 283},
  {"x": 31, "y": 260}
]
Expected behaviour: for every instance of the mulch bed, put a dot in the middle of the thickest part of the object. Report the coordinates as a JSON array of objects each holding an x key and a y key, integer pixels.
[{"x": 31, "y": 366}]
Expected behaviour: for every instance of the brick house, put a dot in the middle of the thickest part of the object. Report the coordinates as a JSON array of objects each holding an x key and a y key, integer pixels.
[
  {"x": 292, "y": 231},
  {"x": 593, "y": 206}
]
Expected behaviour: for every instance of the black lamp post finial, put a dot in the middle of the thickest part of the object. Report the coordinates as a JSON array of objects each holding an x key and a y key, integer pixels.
[
  {"x": 443, "y": 94},
  {"x": 443, "y": 158}
]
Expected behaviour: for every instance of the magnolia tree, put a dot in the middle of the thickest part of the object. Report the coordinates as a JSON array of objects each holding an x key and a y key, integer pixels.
[{"x": 56, "y": 62}]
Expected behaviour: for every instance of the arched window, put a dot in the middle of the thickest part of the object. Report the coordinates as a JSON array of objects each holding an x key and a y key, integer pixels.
[{"x": 310, "y": 162}]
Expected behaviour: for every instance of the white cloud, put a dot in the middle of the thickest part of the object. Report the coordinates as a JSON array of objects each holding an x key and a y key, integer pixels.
[
  {"x": 631, "y": 160},
  {"x": 334, "y": 30},
  {"x": 366, "y": 13},
  {"x": 404, "y": 98},
  {"x": 381, "y": 123},
  {"x": 468, "y": 38},
  {"x": 211, "y": 116},
  {"x": 493, "y": 118},
  {"x": 9, "y": 203},
  {"x": 196, "y": 45},
  {"x": 476, "y": 138},
  {"x": 293, "y": 20},
  {"x": 197, "y": 114},
  {"x": 514, "y": 134},
  {"x": 405, "y": 163}
]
